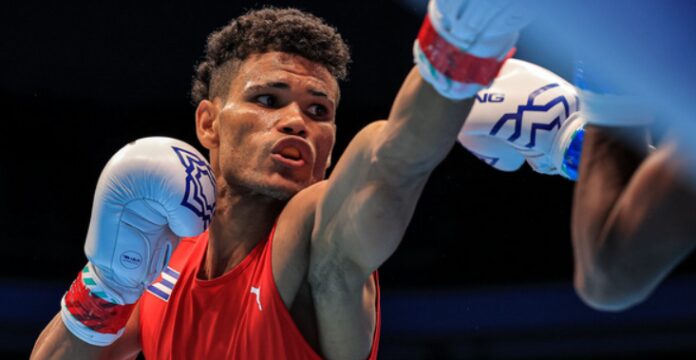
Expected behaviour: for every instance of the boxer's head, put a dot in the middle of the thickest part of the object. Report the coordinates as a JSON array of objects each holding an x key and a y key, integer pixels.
[{"x": 267, "y": 92}]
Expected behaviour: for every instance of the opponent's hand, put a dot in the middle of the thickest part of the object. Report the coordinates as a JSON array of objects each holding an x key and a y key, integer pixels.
[
  {"x": 152, "y": 192},
  {"x": 526, "y": 114},
  {"x": 463, "y": 43}
]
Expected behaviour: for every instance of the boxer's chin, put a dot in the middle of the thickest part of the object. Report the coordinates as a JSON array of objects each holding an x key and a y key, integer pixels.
[
  {"x": 280, "y": 194},
  {"x": 275, "y": 187}
]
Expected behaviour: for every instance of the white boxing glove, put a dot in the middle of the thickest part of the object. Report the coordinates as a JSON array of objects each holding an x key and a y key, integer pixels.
[
  {"x": 152, "y": 192},
  {"x": 525, "y": 115},
  {"x": 463, "y": 43}
]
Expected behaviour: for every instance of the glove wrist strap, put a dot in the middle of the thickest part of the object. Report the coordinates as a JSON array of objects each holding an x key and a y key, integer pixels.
[
  {"x": 455, "y": 64},
  {"x": 90, "y": 317}
]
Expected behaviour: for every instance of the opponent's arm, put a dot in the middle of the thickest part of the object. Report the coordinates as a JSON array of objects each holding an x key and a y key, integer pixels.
[
  {"x": 371, "y": 195},
  {"x": 633, "y": 218}
]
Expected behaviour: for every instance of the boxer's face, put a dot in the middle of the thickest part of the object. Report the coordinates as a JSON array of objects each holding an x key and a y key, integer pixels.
[{"x": 276, "y": 128}]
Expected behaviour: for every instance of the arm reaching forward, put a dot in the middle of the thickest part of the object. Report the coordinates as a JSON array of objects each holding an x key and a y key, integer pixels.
[{"x": 371, "y": 195}]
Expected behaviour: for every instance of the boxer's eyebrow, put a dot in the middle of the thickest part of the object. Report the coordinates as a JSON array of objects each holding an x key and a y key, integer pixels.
[
  {"x": 273, "y": 84},
  {"x": 321, "y": 94},
  {"x": 317, "y": 93},
  {"x": 284, "y": 86}
]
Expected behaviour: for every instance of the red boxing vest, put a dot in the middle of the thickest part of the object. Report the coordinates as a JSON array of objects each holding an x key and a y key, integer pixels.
[{"x": 239, "y": 315}]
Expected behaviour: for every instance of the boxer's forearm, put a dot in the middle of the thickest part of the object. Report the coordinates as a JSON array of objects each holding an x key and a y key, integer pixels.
[
  {"x": 56, "y": 342},
  {"x": 630, "y": 221},
  {"x": 421, "y": 130}
]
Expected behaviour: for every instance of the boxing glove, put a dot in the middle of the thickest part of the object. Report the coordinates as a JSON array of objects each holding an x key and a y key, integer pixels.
[
  {"x": 526, "y": 114},
  {"x": 151, "y": 192}
]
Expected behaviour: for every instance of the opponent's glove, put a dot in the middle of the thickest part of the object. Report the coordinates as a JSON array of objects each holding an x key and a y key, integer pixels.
[
  {"x": 152, "y": 192},
  {"x": 462, "y": 44},
  {"x": 526, "y": 114}
]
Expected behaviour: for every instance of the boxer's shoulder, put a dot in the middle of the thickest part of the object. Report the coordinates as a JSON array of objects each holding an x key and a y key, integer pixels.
[
  {"x": 290, "y": 247},
  {"x": 300, "y": 210}
]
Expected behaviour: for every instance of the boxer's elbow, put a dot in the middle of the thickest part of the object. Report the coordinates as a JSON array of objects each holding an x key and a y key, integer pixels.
[{"x": 606, "y": 288}]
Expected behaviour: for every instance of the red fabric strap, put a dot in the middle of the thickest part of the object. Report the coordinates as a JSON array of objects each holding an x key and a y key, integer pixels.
[
  {"x": 454, "y": 63},
  {"x": 94, "y": 312}
]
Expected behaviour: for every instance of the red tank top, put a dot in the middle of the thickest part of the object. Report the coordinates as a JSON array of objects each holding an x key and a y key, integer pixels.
[{"x": 239, "y": 315}]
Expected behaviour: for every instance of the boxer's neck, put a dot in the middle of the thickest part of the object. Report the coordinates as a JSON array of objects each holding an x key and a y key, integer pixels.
[{"x": 241, "y": 221}]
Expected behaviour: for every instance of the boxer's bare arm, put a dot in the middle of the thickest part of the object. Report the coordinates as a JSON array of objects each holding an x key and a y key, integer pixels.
[
  {"x": 56, "y": 342},
  {"x": 366, "y": 206},
  {"x": 633, "y": 220}
]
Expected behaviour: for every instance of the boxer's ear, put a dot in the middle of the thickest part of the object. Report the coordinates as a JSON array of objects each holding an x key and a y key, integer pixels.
[{"x": 207, "y": 114}]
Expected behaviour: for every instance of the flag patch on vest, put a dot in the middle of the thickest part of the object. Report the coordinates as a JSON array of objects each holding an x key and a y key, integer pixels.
[{"x": 164, "y": 287}]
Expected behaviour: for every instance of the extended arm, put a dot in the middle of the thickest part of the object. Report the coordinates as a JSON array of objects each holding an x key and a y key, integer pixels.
[
  {"x": 370, "y": 198},
  {"x": 368, "y": 202}
]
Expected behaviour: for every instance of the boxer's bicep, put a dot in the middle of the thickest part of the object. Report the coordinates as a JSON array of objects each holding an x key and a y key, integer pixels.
[
  {"x": 364, "y": 210},
  {"x": 367, "y": 204},
  {"x": 373, "y": 191},
  {"x": 360, "y": 221}
]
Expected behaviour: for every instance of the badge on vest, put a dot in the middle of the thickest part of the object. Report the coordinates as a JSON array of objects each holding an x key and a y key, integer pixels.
[{"x": 164, "y": 287}]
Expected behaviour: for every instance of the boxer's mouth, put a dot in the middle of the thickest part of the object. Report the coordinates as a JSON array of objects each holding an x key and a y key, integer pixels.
[{"x": 292, "y": 151}]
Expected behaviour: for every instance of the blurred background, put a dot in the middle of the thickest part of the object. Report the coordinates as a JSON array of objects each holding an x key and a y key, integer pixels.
[{"x": 485, "y": 269}]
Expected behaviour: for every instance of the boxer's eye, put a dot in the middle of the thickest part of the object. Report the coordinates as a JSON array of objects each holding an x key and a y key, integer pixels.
[
  {"x": 267, "y": 100},
  {"x": 318, "y": 111}
]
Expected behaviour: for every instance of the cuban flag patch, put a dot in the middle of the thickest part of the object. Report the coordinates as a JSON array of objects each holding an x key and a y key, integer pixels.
[{"x": 164, "y": 287}]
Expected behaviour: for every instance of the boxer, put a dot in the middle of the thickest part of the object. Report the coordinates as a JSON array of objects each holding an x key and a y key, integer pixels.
[{"x": 287, "y": 267}]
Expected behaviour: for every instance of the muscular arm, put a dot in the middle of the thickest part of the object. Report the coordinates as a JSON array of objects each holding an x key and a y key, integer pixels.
[
  {"x": 632, "y": 220},
  {"x": 56, "y": 342},
  {"x": 366, "y": 207}
]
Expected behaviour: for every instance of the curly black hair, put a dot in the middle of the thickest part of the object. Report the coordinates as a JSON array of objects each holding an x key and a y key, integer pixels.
[{"x": 269, "y": 29}]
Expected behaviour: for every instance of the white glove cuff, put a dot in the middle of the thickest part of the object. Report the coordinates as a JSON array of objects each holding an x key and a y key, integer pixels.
[
  {"x": 90, "y": 311},
  {"x": 445, "y": 86},
  {"x": 84, "y": 333}
]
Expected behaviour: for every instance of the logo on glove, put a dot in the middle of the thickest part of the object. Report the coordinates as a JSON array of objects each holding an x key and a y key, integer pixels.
[
  {"x": 531, "y": 107},
  {"x": 130, "y": 259},
  {"x": 483, "y": 97},
  {"x": 200, "y": 185}
]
